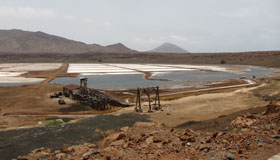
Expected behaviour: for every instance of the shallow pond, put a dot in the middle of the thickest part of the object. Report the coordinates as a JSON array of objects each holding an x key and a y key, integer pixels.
[
  {"x": 176, "y": 78},
  {"x": 200, "y": 76},
  {"x": 114, "y": 81}
]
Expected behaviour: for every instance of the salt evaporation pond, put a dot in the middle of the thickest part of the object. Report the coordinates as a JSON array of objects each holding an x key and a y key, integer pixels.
[
  {"x": 114, "y": 81},
  {"x": 175, "y": 77},
  {"x": 11, "y": 73},
  {"x": 199, "y": 76}
]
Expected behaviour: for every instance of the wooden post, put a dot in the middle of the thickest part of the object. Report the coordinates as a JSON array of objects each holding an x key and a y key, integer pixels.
[
  {"x": 155, "y": 105},
  {"x": 149, "y": 99},
  {"x": 139, "y": 98},
  {"x": 138, "y": 101},
  {"x": 136, "y": 105},
  {"x": 158, "y": 98}
]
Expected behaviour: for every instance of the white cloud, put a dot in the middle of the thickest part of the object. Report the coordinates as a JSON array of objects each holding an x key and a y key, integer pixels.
[
  {"x": 242, "y": 13},
  {"x": 68, "y": 17},
  {"x": 180, "y": 39},
  {"x": 88, "y": 20},
  {"x": 107, "y": 24},
  {"x": 26, "y": 12},
  {"x": 150, "y": 40}
]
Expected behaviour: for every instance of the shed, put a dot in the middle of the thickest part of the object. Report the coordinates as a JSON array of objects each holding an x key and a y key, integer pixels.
[{"x": 70, "y": 89}]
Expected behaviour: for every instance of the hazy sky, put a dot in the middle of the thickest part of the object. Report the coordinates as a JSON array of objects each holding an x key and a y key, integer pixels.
[{"x": 196, "y": 25}]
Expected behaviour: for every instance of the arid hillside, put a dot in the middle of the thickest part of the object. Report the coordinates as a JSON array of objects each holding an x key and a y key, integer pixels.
[
  {"x": 18, "y": 41},
  {"x": 265, "y": 58}
]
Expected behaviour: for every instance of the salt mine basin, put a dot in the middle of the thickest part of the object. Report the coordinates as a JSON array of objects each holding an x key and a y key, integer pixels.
[{"x": 161, "y": 77}]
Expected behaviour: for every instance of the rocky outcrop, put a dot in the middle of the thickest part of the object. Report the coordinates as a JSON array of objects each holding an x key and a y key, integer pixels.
[{"x": 242, "y": 139}]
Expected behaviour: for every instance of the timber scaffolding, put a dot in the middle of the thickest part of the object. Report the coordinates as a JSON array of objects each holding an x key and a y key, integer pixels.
[
  {"x": 148, "y": 91},
  {"x": 94, "y": 98}
]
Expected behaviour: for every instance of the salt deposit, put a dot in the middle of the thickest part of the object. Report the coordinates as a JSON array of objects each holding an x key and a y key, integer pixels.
[
  {"x": 131, "y": 68},
  {"x": 25, "y": 67},
  {"x": 11, "y": 72},
  {"x": 109, "y": 73},
  {"x": 10, "y": 80}
]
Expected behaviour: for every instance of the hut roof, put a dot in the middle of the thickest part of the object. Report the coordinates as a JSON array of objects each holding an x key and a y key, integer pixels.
[{"x": 71, "y": 86}]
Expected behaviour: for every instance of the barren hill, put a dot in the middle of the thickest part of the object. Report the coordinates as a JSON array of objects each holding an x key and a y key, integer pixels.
[
  {"x": 39, "y": 42},
  {"x": 169, "y": 48},
  {"x": 119, "y": 47}
]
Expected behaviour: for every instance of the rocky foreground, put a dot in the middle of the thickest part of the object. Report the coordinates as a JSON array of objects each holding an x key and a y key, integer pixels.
[{"x": 250, "y": 136}]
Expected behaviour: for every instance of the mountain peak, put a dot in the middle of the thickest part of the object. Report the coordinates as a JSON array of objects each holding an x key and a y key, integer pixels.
[
  {"x": 117, "y": 44},
  {"x": 169, "y": 48},
  {"x": 120, "y": 47}
]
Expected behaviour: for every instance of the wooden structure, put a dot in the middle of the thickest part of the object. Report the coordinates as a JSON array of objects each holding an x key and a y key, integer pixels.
[
  {"x": 83, "y": 85},
  {"x": 70, "y": 90},
  {"x": 148, "y": 91},
  {"x": 138, "y": 107},
  {"x": 88, "y": 96}
]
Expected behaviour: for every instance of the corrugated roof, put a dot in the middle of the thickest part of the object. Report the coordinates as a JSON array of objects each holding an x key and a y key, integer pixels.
[{"x": 71, "y": 86}]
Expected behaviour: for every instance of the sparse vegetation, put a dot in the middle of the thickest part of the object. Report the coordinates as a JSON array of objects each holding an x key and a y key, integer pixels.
[
  {"x": 223, "y": 61},
  {"x": 53, "y": 123},
  {"x": 178, "y": 95},
  {"x": 3, "y": 127},
  {"x": 174, "y": 96}
]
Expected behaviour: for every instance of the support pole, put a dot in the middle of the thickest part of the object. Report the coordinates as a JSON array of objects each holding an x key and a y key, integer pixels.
[
  {"x": 137, "y": 96},
  {"x": 138, "y": 101},
  {"x": 155, "y": 105},
  {"x": 149, "y": 99},
  {"x": 158, "y": 98}
]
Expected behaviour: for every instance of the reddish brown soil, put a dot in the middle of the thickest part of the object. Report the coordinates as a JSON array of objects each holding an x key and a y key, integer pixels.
[{"x": 243, "y": 136}]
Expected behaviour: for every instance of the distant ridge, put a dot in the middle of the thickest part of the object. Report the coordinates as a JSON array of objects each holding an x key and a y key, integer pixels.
[
  {"x": 120, "y": 47},
  {"x": 40, "y": 42},
  {"x": 169, "y": 48}
]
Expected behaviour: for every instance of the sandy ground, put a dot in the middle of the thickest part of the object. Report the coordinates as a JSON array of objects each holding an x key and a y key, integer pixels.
[
  {"x": 206, "y": 106},
  {"x": 34, "y": 99},
  {"x": 202, "y": 107}
]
